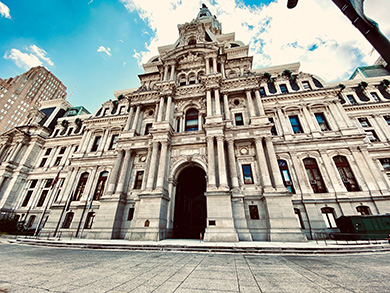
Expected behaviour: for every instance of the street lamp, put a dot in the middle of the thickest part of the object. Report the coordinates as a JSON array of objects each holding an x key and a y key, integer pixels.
[{"x": 353, "y": 9}]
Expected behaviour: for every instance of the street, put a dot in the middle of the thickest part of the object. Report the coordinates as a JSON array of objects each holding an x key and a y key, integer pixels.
[{"x": 42, "y": 269}]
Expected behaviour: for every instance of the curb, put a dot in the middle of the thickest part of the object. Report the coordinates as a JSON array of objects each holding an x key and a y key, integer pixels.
[{"x": 205, "y": 248}]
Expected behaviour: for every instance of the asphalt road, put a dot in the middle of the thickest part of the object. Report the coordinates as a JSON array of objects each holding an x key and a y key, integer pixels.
[{"x": 43, "y": 269}]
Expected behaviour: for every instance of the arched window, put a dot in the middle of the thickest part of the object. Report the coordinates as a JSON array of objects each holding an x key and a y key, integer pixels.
[
  {"x": 363, "y": 210},
  {"x": 328, "y": 216},
  {"x": 192, "y": 120},
  {"x": 192, "y": 79},
  {"x": 182, "y": 80},
  {"x": 81, "y": 186},
  {"x": 100, "y": 185},
  {"x": 346, "y": 174},
  {"x": 200, "y": 74},
  {"x": 286, "y": 175},
  {"x": 89, "y": 220},
  {"x": 68, "y": 220},
  {"x": 314, "y": 175}
]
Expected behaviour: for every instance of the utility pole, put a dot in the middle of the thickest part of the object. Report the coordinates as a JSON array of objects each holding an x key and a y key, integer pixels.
[{"x": 353, "y": 9}]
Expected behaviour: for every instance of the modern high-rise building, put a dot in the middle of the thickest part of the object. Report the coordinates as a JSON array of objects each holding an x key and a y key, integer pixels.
[
  {"x": 206, "y": 146},
  {"x": 20, "y": 94}
]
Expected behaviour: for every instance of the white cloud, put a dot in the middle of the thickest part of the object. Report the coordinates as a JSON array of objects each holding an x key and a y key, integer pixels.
[
  {"x": 104, "y": 50},
  {"x": 4, "y": 10},
  {"x": 315, "y": 33},
  {"x": 34, "y": 56},
  {"x": 90, "y": 2}
]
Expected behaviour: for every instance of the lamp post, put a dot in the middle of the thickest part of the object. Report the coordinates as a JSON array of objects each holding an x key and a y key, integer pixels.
[{"x": 353, "y": 9}]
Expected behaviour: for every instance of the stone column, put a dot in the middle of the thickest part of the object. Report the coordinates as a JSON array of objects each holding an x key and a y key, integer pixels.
[
  {"x": 162, "y": 165},
  {"x": 226, "y": 107},
  {"x": 200, "y": 121},
  {"x": 152, "y": 167},
  {"x": 217, "y": 102},
  {"x": 265, "y": 178},
  {"x": 209, "y": 105},
  {"x": 215, "y": 65},
  {"x": 51, "y": 157},
  {"x": 136, "y": 117},
  {"x": 223, "y": 68},
  {"x": 16, "y": 152},
  {"x": 165, "y": 72},
  {"x": 211, "y": 163},
  {"x": 332, "y": 172},
  {"x": 274, "y": 164},
  {"x": 103, "y": 141},
  {"x": 221, "y": 163},
  {"x": 115, "y": 172},
  {"x": 207, "y": 65},
  {"x": 250, "y": 104},
  {"x": 2, "y": 149},
  {"x": 283, "y": 122},
  {"x": 168, "y": 111},
  {"x": 124, "y": 172},
  {"x": 232, "y": 164},
  {"x": 128, "y": 121},
  {"x": 370, "y": 181},
  {"x": 373, "y": 169},
  {"x": 309, "y": 119},
  {"x": 259, "y": 103},
  {"x": 160, "y": 110},
  {"x": 172, "y": 71}
]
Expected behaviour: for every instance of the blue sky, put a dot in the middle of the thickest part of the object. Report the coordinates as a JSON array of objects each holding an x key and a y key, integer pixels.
[{"x": 97, "y": 46}]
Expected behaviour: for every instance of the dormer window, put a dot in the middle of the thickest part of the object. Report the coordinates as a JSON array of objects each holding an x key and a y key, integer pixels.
[{"x": 192, "y": 42}]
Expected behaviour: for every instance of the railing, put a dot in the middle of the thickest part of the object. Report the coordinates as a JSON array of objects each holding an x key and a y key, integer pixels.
[{"x": 347, "y": 238}]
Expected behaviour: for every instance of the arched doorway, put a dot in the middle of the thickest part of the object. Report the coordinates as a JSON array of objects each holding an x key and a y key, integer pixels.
[{"x": 190, "y": 204}]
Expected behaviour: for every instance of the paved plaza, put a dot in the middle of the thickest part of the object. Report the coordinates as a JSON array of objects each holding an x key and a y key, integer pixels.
[{"x": 42, "y": 269}]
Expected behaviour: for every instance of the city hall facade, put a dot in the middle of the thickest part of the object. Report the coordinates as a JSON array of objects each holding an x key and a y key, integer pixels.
[{"x": 207, "y": 147}]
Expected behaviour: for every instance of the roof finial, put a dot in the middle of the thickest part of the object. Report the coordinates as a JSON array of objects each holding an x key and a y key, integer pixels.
[{"x": 204, "y": 5}]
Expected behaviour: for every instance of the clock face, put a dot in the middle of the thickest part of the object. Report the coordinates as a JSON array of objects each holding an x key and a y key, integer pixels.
[
  {"x": 244, "y": 151},
  {"x": 143, "y": 159}
]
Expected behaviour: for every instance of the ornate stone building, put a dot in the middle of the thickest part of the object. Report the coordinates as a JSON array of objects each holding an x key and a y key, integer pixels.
[{"x": 206, "y": 147}]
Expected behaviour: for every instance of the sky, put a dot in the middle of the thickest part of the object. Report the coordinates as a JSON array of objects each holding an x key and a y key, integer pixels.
[{"x": 98, "y": 46}]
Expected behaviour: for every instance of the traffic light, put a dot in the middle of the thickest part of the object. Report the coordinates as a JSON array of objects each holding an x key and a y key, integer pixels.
[{"x": 292, "y": 3}]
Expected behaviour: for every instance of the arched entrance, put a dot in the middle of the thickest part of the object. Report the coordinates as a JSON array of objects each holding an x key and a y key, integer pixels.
[{"x": 190, "y": 204}]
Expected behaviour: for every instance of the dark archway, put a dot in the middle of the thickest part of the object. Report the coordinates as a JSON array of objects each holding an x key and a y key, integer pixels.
[{"x": 190, "y": 204}]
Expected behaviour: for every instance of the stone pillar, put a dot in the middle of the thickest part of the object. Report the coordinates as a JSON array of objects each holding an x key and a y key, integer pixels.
[
  {"x": 124, "y": 172},
  {"x": 51, "y": 157},
  {"x": 217, "y": 102},
  {"x": 259, "y": 103},
  {"x": 165, "y": 72},
  {"x": 172, "y": 71},
  {"x": 103, "y": 141},
  {"x": 85, "y": 141},
  {"x": 283, "y": 122},
  {"x": 265, "y": 178},
  {"x": 223, "y": 68},
  {"x": 250, "y": 104},
  {"x": 115, "y": 172},
  {"x": 128, "y": 121},
  {"x": 200, "y": 121},
  {"x": 207, "y": 65},
  {"x": 226, "y": 107},
  {"x": 232, "y": 164},
  {"x": 221, "y": 163},
  {"x": 16, "y": 152},
  {"x": 162, "y": 165},
  {"x": 168, "y": 111},
  {"x": 274, "y": 165},
  {"x": 209, "y": 103},
  {"x": 334, "y": 177},
  {"x": 215, "y": 65},
  {"x": 152, "y": 167},
  {"x": 309, "y": 118},
  {"x": 366, "y": 172},
  {"x": 373, "y": 169},
  {"x": 136, "y": 117},
  {"x": 160, "y": 110},
  {"x": 211, "y": 163}
]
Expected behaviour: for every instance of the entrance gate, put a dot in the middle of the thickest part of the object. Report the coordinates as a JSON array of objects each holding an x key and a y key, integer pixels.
[{"x": 190, "y": 204}]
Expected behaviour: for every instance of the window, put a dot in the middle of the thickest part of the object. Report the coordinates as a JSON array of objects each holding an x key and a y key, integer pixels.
[
  {"x": 387, "y": 119},
  {"x": 324, "y": 126},
  {"x": 122, "y": 110},
  {"x": 62, "y": 150},
  {"x": 364, "y": 122},
  {"x": 254, "y": 212},
  {"x": 81, "y": 186},
  {"x": 147, "y": 128},
  {"x": 283, "y": 88},
  {"x": 351, "y": 100},
  {"x": 100, "y": 185},
  {"x": 306, "y": 85},
  {"x": 273, "y": 129},
  {"x": 328, "y": 216},
  {"x": 138, "y": 179},
  {"x": 42, "y": 198},
  {"x": 385, "y": 164},
  {"x": 262, "y": 92},
  {"x": 363, "y": 210},
  {"x": 182, "y": 80},
  {"x": 346, "y": 174},
  {"x": 60, "y": 185},
  {"x": 297, "y": 213},
  {"x": 30, "y": 222},
  {"x": 375, "y": 97},
  {"x": 43, "y": 162},
  {"x": 96, "y": 143},
  {"x": 130, "y": 214},
  {"x": 45, "y": 157},
  {"x": 191, "y": 120},
  {"x": 89, "y": 220},
  {"x": 68, "y": 220},
  {"x": 286, "y": 176},
  {"x": 239, "y": 120},
  {"x": 295, "y": 124},
  {"x": 314, "y": 175},
  {"x": 27, "y": 198},
  {"x": 371, "y": 134},
  {"x": 113, "y": 142},
  {"x": 247, "y": 174}
]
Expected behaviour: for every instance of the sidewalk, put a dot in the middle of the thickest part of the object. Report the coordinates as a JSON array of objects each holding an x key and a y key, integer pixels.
[{"x": 310, "y": 247}]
